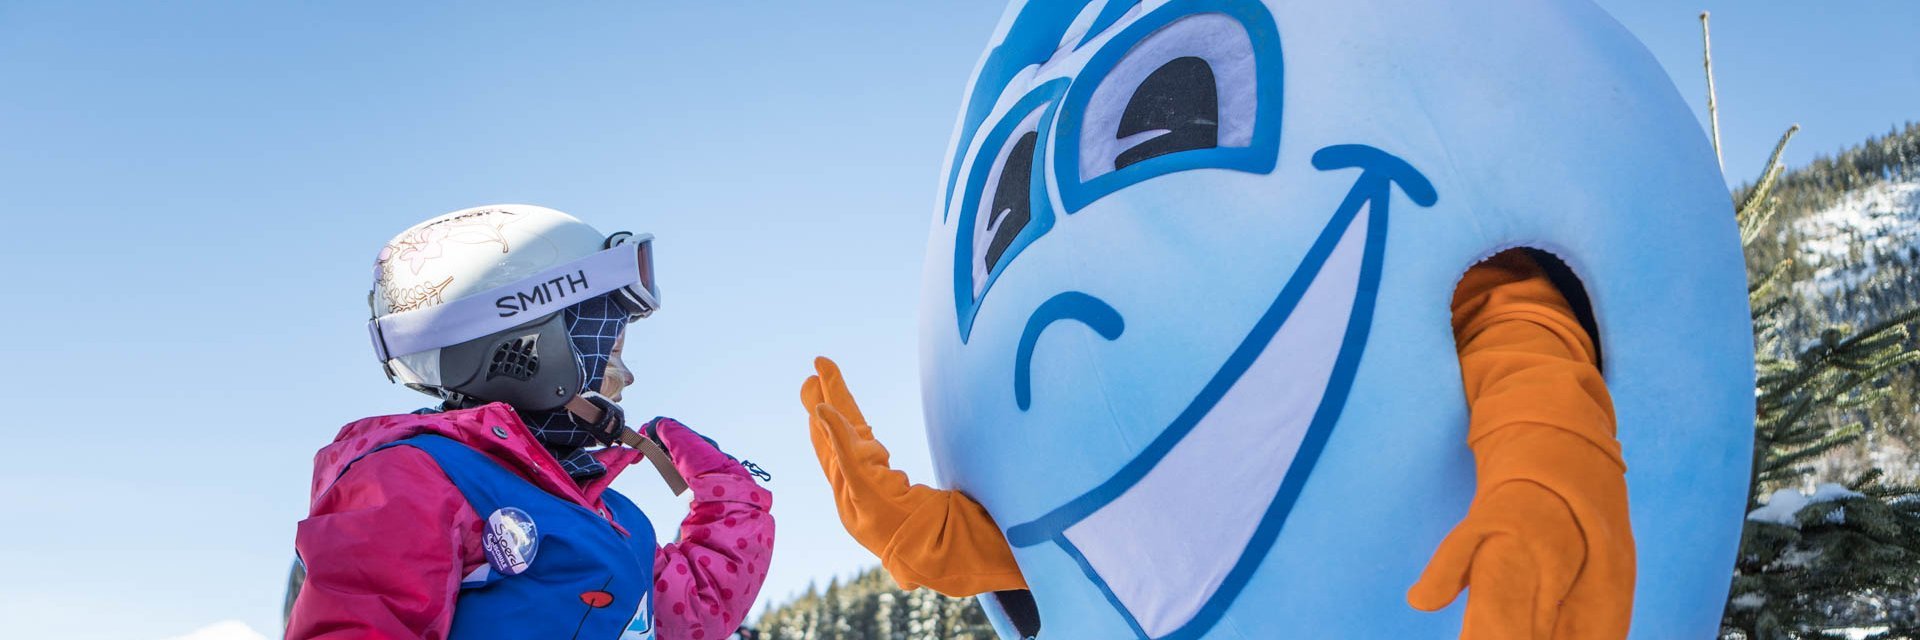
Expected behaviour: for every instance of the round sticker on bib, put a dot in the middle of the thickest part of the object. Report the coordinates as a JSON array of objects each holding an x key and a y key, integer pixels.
[{"x": 511, "y": 540}]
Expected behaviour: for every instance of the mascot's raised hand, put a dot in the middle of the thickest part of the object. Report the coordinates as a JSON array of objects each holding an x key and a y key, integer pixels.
[{"x": 928, "y": 537}]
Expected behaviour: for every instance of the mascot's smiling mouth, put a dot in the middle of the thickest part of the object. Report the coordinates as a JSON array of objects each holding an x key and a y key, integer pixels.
[{"x": 1257, "y": 427}]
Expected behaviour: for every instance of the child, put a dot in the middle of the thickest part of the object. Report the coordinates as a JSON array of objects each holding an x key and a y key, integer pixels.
[{"x": 490, "y": 516}]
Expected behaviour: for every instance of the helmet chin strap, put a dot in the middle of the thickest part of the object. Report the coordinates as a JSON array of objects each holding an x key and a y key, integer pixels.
[{"x": 610, "y": 428}]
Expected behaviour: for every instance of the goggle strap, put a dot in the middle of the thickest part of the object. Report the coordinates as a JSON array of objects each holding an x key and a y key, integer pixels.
[{"x": 500, "y": 308}]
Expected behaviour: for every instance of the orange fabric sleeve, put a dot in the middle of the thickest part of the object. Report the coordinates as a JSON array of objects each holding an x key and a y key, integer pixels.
[
  {"x": 936, "y": 538},
  {"x": 1524, "y": 357},
  {"x": 1546, "y": 546}
]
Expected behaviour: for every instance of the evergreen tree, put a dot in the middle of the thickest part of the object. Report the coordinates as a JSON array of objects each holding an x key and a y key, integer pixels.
[
  {"x": 1848, "y": 556},
  {"x": 871, "y": 607},
  {"x": 1841, "y": 557}
]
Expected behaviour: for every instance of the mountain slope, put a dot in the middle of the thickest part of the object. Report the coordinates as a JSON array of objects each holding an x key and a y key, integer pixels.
[{"x": 1850, "y": 226}]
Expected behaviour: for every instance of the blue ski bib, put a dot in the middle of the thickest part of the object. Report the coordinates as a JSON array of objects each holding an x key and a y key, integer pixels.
[{"x": 554, "y": 569}]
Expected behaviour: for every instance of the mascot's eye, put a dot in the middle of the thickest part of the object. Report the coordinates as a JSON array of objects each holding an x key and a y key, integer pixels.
[
  {"x": 1187, "y": 86},
  {"x": 1003, "y": 207},
  {"x": 1177, "y": 108},
  {"x": 1169, "y": 93},
  {"x": 1012, "y": 205},
  {"x": 1007, "y": 207}
]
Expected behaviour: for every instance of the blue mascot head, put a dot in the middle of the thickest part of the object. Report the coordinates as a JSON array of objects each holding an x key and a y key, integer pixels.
[{"x": 1185, "y": 328}]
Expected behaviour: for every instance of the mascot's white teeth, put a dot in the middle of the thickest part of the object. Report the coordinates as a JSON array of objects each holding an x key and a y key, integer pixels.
[{"x": 1159, "y": 550}]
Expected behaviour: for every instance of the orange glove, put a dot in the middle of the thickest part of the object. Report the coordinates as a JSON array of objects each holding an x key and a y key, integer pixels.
[
  {"x": 1546, "y": 546},
  {"x": 929, "y": 537}
]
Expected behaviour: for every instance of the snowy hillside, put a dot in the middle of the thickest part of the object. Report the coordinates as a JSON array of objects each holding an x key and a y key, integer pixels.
[
  {"x": 1849, "y": 227},
  {"x": 1847, "y": 244},
  {"x": 1849, "y": 241}
]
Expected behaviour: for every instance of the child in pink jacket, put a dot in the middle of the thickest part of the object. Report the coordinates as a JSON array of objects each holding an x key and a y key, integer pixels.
[{"x": 491, "y": 516}]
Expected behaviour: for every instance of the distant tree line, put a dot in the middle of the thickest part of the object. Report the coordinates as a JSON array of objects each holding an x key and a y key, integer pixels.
[{"x": 871, "y": 607}]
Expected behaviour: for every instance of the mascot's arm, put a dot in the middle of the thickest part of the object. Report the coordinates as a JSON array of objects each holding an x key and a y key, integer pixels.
[
  {"x": 1545, "y": 547},
  {"x": 928, "y": 537}
]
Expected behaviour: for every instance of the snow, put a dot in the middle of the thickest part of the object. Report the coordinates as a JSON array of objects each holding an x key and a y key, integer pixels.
[
  {"x": 1829, "y": 492},
  {"x": 1783, "y": 507},
  {"x": 1845, "y": 242},
  {"x": 1748, "y": 601},
  {"x": 1855, "y": 633},
  {"x": 225, "y": 630},
  {"x": 1797, "y": 558}
]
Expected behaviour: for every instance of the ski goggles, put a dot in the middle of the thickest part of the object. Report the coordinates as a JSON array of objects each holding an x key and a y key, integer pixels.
[
  {"x": 641, "y": 297},
  {"x": 623, "y": 269}
]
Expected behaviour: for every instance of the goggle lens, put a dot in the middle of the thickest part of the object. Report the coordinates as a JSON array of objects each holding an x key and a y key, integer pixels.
[{"x": 643, "y": 298}]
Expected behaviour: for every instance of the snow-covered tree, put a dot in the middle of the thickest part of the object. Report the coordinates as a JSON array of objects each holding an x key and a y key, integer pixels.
[{"x": 1840, "y": 555}]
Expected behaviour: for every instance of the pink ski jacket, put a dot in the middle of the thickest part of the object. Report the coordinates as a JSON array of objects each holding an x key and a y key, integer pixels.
[{"x": 386, "y": 545}]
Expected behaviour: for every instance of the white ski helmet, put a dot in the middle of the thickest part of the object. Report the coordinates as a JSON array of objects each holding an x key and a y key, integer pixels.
[{"x": 468, "y": 305}]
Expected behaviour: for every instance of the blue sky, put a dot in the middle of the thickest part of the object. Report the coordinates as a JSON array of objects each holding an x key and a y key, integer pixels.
[{"x": 194, "y": 192}]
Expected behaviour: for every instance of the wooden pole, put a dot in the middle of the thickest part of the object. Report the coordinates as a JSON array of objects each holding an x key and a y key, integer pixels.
[{"x": 1713, "y": 109}]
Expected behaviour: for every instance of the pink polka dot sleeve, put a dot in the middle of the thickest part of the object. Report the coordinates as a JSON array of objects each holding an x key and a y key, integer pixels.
[{"x": 705, "y": 583}]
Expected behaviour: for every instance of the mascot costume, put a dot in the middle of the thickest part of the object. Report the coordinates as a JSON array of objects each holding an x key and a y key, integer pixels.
[{"x": 1186, "y": 351}]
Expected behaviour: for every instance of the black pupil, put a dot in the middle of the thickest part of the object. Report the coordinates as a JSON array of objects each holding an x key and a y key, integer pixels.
[
  {"x": 1179, "y": 97},
  {"x": 1012, "y": 200}
]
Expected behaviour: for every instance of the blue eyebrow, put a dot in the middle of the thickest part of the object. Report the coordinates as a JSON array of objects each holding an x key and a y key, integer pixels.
[{"x": 1108, "y": 15}]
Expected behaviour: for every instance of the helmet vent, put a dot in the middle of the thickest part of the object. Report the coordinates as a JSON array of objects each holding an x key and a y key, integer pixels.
[{"x": 518, "y": 358}]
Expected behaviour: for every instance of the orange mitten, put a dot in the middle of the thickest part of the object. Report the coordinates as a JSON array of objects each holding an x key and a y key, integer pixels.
[
  {"x": 1546, "y": 548},
  {"x": 929, "y": 537}
]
